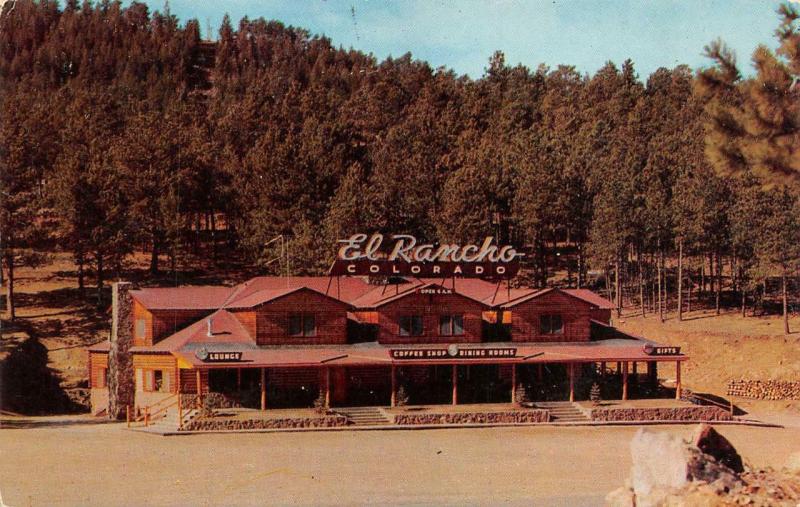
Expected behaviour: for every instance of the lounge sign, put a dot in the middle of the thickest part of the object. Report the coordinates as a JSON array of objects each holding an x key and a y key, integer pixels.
[
  {"x": 218, "y": 357},
  {"x": 454, "y": 352},
  {"x": 403, "y": 255},
  {"x": 654, "y": 350}
]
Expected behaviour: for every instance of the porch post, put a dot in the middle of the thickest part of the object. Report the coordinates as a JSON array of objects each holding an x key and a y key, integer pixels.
[
  {"x": 239, "y": 379},
  {"x": 677, "y": 380},
  {"x": 328, "y": 387},
  {"x": 199, "y": 382},
  {"x": 513, "y": 383},
  {"x": 571, "y": 382},
  {"x": 540, "y": 372},
  {"x": 625, "y": 380},
  {"x": 455, "y": 384},
  {"x": 393, "y": 401},
  {"x": 603, "y": 369},
  {"x": 263, "y": 388},
  {"x": 634, "y": 367}
]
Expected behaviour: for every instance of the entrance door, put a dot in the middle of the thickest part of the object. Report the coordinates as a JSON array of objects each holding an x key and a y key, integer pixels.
[{"x": 482, "y": 383}]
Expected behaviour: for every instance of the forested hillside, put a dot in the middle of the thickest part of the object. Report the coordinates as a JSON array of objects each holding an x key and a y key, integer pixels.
[{"x": 122, "y": 131}]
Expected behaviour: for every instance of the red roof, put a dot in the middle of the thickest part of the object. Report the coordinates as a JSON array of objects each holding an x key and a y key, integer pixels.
[
  {"x": 592, "y": 297},
  {"x": 582, "y": 294},
  {"x": 343, "y": 289},
  {"x": 183, "y": 298},
  {"x": 225, "y": 329},
  {"x": 355, "y": 291},
  {"x": 103, "y": 346}
]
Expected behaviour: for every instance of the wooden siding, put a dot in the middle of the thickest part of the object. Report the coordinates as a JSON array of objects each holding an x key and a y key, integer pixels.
[
  {"x": 163, "y": 362},
  {"x": 160, "y": 324},
  {"x": 272, "y": 319},
  {"x": 142, "y": 313},
  {"x": 575, "y": 315},
  {"x": 98, "y": 361},
  {"x": 189, "y": 381},
  {"x": 430, "y": 306},
  {"x": 601, "y": 314}
]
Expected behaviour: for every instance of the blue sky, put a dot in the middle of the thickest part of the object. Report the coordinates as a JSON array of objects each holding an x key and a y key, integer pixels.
[{"x": 462, "y": 34}]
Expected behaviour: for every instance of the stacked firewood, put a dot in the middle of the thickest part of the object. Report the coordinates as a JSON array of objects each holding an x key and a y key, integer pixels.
[{"x": 765, "y": 389}]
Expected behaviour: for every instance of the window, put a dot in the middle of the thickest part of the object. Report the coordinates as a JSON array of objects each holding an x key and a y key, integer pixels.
[
  {"x": 140, "y": 328},
  {"x": 302, "y": 324},
  {"x": 152, "y": 381},
  {"x": 411, "y": 325},
  {"x": 451, "y": 325},
  {"x": 551, "y": 324}
]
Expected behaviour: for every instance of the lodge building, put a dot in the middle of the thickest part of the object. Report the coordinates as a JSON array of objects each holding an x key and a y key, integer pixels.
[{"x": 286, "y": 341}]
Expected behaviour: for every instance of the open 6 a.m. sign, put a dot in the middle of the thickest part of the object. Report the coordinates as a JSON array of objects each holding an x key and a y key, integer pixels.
[{"x": 362, "y": 255}]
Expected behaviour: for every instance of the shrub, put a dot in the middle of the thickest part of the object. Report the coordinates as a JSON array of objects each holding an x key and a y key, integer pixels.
[
  {"x": 401, "y": 398},
  {"x": 594, "y": 394}
]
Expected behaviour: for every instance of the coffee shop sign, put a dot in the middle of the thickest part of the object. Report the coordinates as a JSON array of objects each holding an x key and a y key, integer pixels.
[{"x": 361, "y": 254}]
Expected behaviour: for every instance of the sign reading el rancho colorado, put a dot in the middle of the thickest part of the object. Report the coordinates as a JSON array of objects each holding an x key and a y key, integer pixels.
[{"x": 362, "y": 255}]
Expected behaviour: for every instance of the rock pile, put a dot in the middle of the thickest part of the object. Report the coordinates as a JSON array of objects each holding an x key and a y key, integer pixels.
[
  {"x": 668, "y": 471},
  {"x": 690, "y": 413},
  {"x": 203, "y": 424},
  {"x": 516, "y": 416},
  {"x": 765, "y": 389}
]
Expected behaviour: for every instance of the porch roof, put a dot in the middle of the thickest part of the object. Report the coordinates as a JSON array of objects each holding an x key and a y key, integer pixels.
[{"x": 374, "y": 354}]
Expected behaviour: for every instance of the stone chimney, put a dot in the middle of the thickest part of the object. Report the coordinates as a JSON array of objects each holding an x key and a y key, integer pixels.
[{"x": 120, "y": 364}]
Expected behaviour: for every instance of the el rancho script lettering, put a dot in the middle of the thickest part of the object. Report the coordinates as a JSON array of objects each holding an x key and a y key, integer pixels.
[{"x": 361, "y": 254}]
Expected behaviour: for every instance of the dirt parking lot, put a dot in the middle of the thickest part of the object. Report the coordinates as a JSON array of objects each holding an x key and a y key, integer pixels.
[{"x": 61, "y": 461}]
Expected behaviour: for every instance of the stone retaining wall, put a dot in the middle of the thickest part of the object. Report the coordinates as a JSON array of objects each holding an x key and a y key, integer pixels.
[
  {"x": 208, "y": 424},
  {"x": 765, "y": 389},
  {"x": 517, "y": 416},
  {"x": 660, "y": 414}
]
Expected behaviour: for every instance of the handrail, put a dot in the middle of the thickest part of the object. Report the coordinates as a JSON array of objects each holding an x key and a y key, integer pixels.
[
  {"x": 147, "y": 412},
  {"x": 162, "y": 409}
]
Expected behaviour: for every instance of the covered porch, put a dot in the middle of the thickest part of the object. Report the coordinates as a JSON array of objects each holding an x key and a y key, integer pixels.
[{"x": 439, "y": 383}]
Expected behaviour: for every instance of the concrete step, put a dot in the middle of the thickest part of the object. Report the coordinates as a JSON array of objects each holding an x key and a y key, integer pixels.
[{"x": 364, "y": 416}]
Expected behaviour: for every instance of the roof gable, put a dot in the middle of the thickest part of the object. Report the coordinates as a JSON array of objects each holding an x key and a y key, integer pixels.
[
  {"x": 552, "y": 290},
  {"x": 268, "y": 296},
  {"x": 418, "y": 288}
]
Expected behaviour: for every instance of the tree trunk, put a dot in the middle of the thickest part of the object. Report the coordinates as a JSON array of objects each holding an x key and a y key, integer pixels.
[
  {"x": 702, "y": 276},
  {"x": 154, "y": 256},
  {"x": 744, "y": 302},
  {"x": 641, "y": 281},
  {"x": 213, "y": 237},
  {"x": 711, "y": 272},
  {"x": 785, "y": 305},
  {"x": 666, "y": 286},
  {"x": 689, "y": 290},
  {"x": 10, "y": 310},
  {"x": 81, "y": 275},
  {"x": 617, "y": 293},
  {"x": 680, "y": 279},
  {"x": 100, "y": 278},
  {"x": 719, "y": 283},
  {"x": 660, "y": 275},
  {"x": 580, "y": 265}
]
